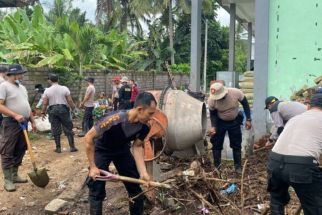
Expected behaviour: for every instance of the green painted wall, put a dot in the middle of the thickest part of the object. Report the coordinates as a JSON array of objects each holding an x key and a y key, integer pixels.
[{"x": 295, "y": 45}]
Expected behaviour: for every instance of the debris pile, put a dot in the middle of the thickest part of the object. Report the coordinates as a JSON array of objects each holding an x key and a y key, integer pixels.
[
  {"x": 199, "y": 189},
  {"x": 304, "y": 94}
]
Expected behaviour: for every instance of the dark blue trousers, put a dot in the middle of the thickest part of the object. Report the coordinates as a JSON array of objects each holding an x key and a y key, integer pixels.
[{"x": 125, "y": 165}]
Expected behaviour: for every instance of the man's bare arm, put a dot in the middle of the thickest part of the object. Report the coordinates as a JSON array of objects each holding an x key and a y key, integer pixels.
[
  {"x": 44, "y": 104},
  {"x": 138, "y": 154},
  {"x": 90, "y": 149},
  {"x": 70, "y": 102}
]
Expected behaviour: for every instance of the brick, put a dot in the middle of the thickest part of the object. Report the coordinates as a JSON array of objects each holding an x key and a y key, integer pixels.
[{"x": 54, "y": 206}]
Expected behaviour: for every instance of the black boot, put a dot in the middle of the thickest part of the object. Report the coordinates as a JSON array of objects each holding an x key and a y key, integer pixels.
[
  {"x": 137, "y": 208},
  {"x": 277, "y": 209},
  {"x": 217, "y": 158},
  {"x": 71, "y": 142},
  {"x": 95, "y": 207},
  {"x": 57, "y": 142},
  {"x": 237, "y": 160},
  {"x": 85, "y": 128}
]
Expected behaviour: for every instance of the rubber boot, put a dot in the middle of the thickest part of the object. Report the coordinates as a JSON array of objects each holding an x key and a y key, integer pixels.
[
  {"x": 217, "y": 158},
  {"x": 16, "y": 178},
  {"x": 58, "y": 146},
  {"x": 137, "y": 208},
  {"x": 237, "y": 160},
  {"x": 85, "y": 128},
  {"x": 8, "y": 182},
  {"x": 277, "y": 209},
  {"x": 95, "y": 207},
  {"x": 71, "y": 142}
]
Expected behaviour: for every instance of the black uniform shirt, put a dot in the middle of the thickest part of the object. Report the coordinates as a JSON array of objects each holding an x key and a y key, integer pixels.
[{"x": 116, "y": 132}]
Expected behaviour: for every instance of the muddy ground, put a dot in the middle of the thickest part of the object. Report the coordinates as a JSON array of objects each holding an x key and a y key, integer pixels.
[{"x": 67, "y": 168}]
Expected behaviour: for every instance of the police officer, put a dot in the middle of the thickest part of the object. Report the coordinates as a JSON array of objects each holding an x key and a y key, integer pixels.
[
  {"x": 125, "y": 95},
  {"x": 15, "y": 108},
  {"x": 3, "y": 71},
  {"x": 281, "y": 112},
  {"x": 114, "y": 133},
  {"x": 294, "y": 161},
  {"x": 225, "y": 117},
  {"x": 59, "y": 101},
  {"x": 115, "y": 93},
  {"x": 88, "y": 104}
]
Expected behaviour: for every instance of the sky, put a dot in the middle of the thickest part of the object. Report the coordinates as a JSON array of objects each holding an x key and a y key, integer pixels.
[{"x": 90, "y": 5}]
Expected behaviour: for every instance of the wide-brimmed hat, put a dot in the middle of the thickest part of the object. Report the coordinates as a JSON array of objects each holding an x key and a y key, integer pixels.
[
  {"x": 124, "y": 79},
  {"x": 220, "y": 91}
]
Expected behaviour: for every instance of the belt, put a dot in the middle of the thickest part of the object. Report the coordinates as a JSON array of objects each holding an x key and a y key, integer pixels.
[
  {"x": 58, "y": 105},
  {"x": 293, "y": 159},
  {"x": 9, "y": 119}
]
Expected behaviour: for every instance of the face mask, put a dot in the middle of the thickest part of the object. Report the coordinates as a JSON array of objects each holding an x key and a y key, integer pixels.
[{"x": 17, "y": 82}]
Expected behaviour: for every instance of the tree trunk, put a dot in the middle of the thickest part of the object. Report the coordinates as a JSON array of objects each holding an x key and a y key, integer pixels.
[
  {"x": 80, "y": 83},
  {"x": 123, "y": 25},
  {"x": 171, "y": 32}
]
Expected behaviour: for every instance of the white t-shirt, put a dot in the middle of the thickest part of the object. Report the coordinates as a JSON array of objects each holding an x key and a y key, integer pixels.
[
  {"x": 302, "y": 135},
  {"x": 15, "y": 98},
  {"x": 56, "y": 94}
]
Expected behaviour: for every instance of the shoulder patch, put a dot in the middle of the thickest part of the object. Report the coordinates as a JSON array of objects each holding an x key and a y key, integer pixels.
[{"x": 110, "y": 120}]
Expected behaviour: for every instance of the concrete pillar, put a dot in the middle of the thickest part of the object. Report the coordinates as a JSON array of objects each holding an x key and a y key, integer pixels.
[
  {"x": 195, "y": 45},
  {"x": 261, "y": 67},
  {"x": 249, "y": 45},
  {"x": 231, "y": 63}
]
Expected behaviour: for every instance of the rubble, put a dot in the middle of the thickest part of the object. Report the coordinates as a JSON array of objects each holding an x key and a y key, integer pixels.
[
  {"x": 208, "y": 191},
  {"x": 304, "y": 94}
]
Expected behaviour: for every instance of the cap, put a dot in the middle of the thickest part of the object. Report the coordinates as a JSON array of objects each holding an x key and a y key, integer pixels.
[
  {"x": 269, "y": 100},
  {"x": 3, "y": 69},
  {"x": 116, "y": 78},
  {"x": 220, "y": 91},
  {"x": 53, "y": 77},
  {"x": 89, "y": 79},
  {"x": 124, "y": 79},
  {"x": 316, "y": 100},
  {"x": 16, "y": 69}
]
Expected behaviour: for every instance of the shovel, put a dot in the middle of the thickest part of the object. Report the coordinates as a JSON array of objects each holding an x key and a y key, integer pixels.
[
  {"x": 105, "y": 176},
  {"x": 38, "y": 176}
]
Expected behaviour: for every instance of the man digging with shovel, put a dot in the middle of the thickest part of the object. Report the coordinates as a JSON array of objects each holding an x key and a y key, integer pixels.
[
  {"x": 114, "y": 135},
  {"x": 15, "y": 108}
]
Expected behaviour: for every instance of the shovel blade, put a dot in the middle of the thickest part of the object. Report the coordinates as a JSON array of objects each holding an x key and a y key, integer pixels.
[{"x": 39, "y": 177}]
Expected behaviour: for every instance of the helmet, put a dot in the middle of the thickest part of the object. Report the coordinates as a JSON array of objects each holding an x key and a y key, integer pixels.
[{"x": 16, "y": 69}]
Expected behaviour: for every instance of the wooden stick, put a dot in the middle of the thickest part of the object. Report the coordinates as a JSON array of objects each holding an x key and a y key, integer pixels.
[
  {"x": 138, "y": 195},
  {"x": 140, "y": 181},
  {"x": 204, "y": 201},
  {"x": 242, "y": 187},
  {"x": 29, "y": 147}
]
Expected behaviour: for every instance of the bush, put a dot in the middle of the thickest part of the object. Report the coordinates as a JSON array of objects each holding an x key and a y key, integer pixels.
[{"x": 180, "y": 68}]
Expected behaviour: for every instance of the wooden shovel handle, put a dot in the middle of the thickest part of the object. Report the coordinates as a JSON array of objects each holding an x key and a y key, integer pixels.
[
  {"x": 32, "y": 157},
  {"x": 140, "y": 181}
]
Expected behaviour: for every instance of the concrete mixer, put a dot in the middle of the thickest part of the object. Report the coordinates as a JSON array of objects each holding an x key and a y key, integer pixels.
[{"x": 186, "y": 126}]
